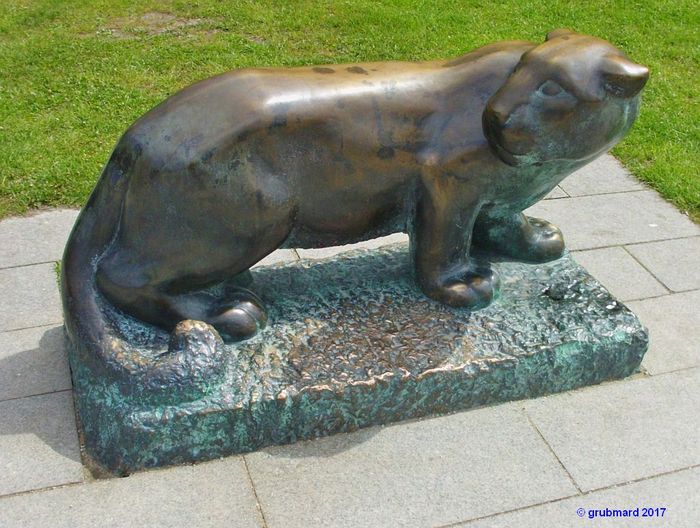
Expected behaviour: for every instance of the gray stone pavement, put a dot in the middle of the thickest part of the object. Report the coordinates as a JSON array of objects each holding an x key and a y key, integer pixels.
[{"x": 620, "y": 445}]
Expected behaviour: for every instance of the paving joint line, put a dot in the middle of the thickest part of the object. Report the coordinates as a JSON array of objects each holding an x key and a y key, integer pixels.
[
  {"x": 44, "y": 489},
  {"x": 642, "y": 243},
  {"x": 551, "y": 449},
  {"x": 15, "y": 398},
  {"x": 49, "y": 325},
  {"x": 3, "y": 268},
  {"x": 9, "y": 330},
  {"x": 662, "y": 295},
  {"x": 512, "y": 510},
  {"x": 641, "y": 479},
  {"x": 622, "y": 244},
  {"x": 686, "y": 291},
  {"x": 674, "y": 371},
  {"x": 559, "y": 499},
  {"x": 258, "y": 504},
  {"x": 608, "y": 193},
  {"x": 557, "y": 197},
  {"x": 638, "y": 299},
  {"x": 631, "y": 191},
  {"x": 657, "y": 279}
]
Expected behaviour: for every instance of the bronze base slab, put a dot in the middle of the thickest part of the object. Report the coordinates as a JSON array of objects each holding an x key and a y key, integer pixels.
[{"x": 352, "y": 342}]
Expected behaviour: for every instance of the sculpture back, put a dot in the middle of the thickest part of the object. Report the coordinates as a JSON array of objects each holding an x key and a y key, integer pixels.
[{"x": 222, "y": 174}]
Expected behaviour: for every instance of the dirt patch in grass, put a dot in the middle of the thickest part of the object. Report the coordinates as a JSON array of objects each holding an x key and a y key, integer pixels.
[
  {"x": 152, "y": 24},
  {"x": 257, "y": 39}
]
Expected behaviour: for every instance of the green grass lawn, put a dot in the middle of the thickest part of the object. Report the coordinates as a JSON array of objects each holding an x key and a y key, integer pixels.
[{"x": 74, "y": 74}]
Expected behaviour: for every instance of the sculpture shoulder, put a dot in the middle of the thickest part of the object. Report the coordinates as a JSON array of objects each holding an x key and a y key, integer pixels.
[
  {"x": 508, "y": 52},
  {"x": 454, "y": 132}
]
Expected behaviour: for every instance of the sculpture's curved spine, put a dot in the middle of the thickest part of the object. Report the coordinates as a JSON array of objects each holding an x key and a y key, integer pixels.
[
  {"x": 195, "y": 347},
  {"x": 92, "y": 234}
]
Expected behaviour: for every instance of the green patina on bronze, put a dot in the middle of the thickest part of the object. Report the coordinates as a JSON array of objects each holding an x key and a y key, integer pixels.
[
  {"x": 355, "y": 343},
  {"x": 156, "y": 279},
  {"x": 226, "y": 171}
]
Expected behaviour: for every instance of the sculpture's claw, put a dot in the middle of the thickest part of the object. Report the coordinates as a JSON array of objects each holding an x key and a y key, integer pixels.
[
  {"x": 522, "y": 238},
  {"x": 475, "y": 290},
  {"x": 240, "y": 317},
  {"x": 542, "y": 242}
]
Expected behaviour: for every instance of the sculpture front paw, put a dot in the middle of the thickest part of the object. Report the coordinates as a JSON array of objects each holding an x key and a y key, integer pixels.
[
  {"x": 542, "y": 241},
  {"x": 474, "y": 289},
  {"x": 522, "y": 238},
  {"x": 240, "y": 317}
]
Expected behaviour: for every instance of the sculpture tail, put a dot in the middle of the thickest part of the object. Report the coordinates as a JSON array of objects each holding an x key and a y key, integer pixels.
[
  {"x": 92, "y": 233},
  {"x": 195, "y": 352}
]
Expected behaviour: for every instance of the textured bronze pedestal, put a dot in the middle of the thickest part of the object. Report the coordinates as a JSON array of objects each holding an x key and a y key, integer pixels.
[
  {"x": 198, "y": 190},
  {"x": 355, "y": 343}
]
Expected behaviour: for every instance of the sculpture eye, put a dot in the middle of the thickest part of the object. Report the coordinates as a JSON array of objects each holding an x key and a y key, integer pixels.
[{"x": 551, "y": 89}]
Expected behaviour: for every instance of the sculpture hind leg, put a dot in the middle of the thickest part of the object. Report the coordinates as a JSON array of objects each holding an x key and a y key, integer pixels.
[
  {"x": 518, "y": 237},
  {"x": 236, "y": 313},
  {"x": 162, "y": 264}
]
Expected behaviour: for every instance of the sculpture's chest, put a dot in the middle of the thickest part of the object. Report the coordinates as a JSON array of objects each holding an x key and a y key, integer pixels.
[{"x": 520, "y": 187}]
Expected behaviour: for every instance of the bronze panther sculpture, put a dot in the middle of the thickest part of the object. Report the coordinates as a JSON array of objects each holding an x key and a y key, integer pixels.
[{"x": 230, "y": 169}]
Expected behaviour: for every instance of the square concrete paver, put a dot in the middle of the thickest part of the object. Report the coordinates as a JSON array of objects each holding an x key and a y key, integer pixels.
[
  {"x": 320, "y": 253},
  {"x": 36, "y": 238},
  {"x": 676, "y": 492},
  {"x": 674, "y": 330},
  {"x": 38, "y": 443},
  {"x": 590, "y": 222},
  {"x": 281, "y": 255},
  {"x": 622, "y": 431},
  {"x": 556, "y": 193},
  {"x": 215, "y": 494},
  {"x": 603, "y": 176},
  {"x": 676, "y": 263},
  {"x": 424, "y": 473},
  {"x": 33, "y": 361},
  {"x": 29, "y": 297},
  {"x": 617, "y": 270}
]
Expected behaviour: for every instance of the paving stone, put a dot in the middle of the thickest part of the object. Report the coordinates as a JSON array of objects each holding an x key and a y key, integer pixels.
[
  {"x": 214, "y": 494},
  {"x": 617, "y": 270},
  {"x": 33, "y": 361},
  {"x": 424, "y": 473},
  {"x": 36, "y": 238},
  {"x": 602, "y": 176},
  {"x": 556, "y": 193},
  {"x": 674, "y": 328},
  {"x": 615, "y": 219},
  {"x": 676, "y": 263},
  {"x": 29, "y": 297},
  {"x": 38, "y": 443},
  {"x": 677, "y": 492},
  {"x": 368, "y": 244},
  {"x": 281, "y": 255},
  {"x": 622, "y": 431}
]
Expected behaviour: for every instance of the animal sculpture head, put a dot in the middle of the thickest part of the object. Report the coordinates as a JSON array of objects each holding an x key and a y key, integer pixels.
[{"x": 569, "y": 99}]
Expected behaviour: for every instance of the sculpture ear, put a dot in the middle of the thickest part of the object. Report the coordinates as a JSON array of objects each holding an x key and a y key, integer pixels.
[
  {"x": 623, "y": 77},
  {"x": 558, "y": 33}
]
